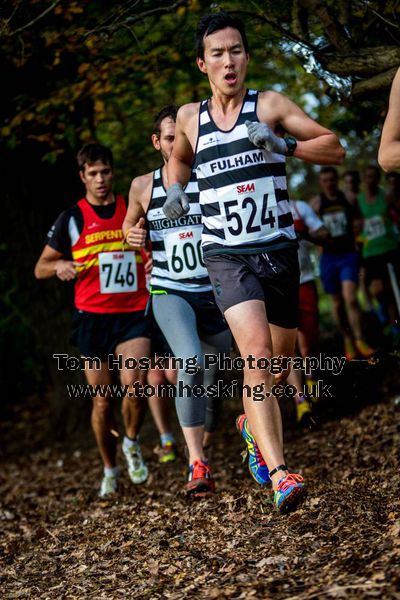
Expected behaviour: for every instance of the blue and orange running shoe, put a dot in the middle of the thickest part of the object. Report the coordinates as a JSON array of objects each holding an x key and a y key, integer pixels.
[
  {"x": 289, "y": 492},
  {"x": 257, "y": 467},
  {"x": 200, "y": 481}
]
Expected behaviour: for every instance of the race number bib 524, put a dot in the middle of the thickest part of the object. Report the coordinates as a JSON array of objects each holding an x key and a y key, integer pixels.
[
  {"x": 248, "y": 211},
  {"x": 184, "y": 255},
  {"x": 118, "y": 272},
  {"x": 374, "y": 227}
]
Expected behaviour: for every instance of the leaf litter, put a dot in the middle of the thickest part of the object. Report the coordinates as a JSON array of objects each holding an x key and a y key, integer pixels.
[{"x": 58, "y": 540}]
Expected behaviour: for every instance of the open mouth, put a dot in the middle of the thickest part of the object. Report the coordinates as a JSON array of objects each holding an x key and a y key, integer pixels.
[{"x": 231, "y": 78}]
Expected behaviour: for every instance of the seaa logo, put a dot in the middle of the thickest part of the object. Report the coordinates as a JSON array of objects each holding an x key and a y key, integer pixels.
[{"x": 243, "y": 189}]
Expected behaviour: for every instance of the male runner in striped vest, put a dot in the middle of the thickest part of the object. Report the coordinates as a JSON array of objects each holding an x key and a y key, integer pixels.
[
  {"x": 182, "y": 299},
  {"x": 249, "y": 243}
]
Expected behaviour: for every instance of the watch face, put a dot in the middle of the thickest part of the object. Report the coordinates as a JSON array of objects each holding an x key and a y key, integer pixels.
[{"x": 291, "y": 144}]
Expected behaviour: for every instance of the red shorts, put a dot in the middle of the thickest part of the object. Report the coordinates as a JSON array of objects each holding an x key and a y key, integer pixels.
[{"x": 308, "y": 311}]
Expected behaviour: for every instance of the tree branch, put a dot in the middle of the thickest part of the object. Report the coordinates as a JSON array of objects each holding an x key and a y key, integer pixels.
[
  {"x": 365, "y": 61},
  {"x": 35, "y": 20},
  {"x": 139, "y": 17},
  {"x": 285, "y": 32},
  {"x": 332, "y": 27},
  {"x": 374, "y": 84}
]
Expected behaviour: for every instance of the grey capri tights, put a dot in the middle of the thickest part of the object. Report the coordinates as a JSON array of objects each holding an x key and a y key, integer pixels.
[{"x": 177, "y": 320}]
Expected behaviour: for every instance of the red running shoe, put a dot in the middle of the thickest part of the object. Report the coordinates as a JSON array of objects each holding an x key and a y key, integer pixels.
[{"x": 200, "y": 482}]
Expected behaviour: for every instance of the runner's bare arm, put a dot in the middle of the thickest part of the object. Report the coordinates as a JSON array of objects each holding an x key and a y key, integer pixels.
[
  {"x": 315, "y": 203},
  {"x": 51, "y": 263},
  {"x": 389, "y": 149},
  {"x": 315, "y": 144},
  {"x": 180, "y": 161},
  {"x": 319, "y": 236},
  {"x": 133, "y": 226}
]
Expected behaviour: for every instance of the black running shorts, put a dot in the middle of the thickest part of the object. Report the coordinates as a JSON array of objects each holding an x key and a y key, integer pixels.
[
  {"x": 376, "y": 267},
  {"x": 272, "y": 277},
  {"x": 97, "y": 335}
]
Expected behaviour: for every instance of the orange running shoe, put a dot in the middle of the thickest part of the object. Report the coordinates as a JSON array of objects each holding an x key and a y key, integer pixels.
[
  {"x": 363, "y": 348},
  {"x": 200, "y": 483},
  {"x": 350, "y": 351},
  {"x": 289, "y": 492}
]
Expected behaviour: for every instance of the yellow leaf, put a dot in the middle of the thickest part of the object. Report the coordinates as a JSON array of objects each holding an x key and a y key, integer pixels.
[
  {"x": 90, "y": 42},
  {"x": 99, "y": 106},
  {"x": 83, "y": 68}
]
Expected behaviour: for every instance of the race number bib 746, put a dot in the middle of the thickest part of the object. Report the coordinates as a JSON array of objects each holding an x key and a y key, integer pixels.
[
  {"x": 184, "y": 255},
  {"x": 248, "y": 211},
  {"x": 118, "y": 272}
]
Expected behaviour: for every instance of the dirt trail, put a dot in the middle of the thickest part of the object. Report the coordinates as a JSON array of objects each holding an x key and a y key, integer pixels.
[{"x": 59, "y": 541}]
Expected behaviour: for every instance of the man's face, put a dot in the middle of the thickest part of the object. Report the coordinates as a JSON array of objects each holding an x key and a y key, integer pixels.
[
  {"x": 371, "y": 179},
  {"x": 349, "y": 182},
  {"x": 225, "y": 60},
  {"x": 393, "y": 182},
  {"x": 328, "y": 183},
  {"x": 165, "y": 141},
  {"x": 98, "y": 178}
]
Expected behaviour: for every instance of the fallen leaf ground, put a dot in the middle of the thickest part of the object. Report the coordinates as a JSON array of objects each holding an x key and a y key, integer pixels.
[{"x": 59, "y": 541}]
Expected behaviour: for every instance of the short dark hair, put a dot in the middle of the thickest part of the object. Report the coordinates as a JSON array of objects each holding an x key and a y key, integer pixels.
[
  {"x": 374, "y": 168},
  {"x": 215, "y": 22},
  {"x": 90, "y": 153},
  {"x": 168, "y": 111},
  {"x": 393, "y": 174},
  {"x": 329, "y": 169}
]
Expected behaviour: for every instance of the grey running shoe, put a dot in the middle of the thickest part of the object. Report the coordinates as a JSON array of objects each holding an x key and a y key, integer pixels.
[
  {"x": 137, "y": 468},
  {"x": 109, "y": 486}
]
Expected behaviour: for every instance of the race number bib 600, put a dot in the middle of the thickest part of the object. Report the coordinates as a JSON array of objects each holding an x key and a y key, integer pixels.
[
  {"x": 184, "y": 255},
  {"x": 336, "y": 223},
  {"x": 118, "y": 272},
  {"x": 248, "y": 211},
  {"x": 374, "y": 227}
]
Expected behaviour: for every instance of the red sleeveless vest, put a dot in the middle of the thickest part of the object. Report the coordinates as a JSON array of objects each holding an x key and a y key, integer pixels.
[{"x": 109, "y": 280}]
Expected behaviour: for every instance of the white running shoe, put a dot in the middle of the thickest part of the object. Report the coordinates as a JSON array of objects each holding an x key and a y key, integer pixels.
[
  {"x": 137, "y": 468},
  {"x": 109, "y": 486}
]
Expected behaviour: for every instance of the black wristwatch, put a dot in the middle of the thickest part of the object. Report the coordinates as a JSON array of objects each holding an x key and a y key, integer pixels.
[{"x": 291, "y": 145}]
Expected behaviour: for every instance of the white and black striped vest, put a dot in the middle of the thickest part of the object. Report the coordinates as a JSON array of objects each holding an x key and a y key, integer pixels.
[
  {"x": 243, "y": 189},
  {"x": 177, "y": 254}
]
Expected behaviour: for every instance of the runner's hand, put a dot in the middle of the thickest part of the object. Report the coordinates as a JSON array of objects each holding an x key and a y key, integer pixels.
[
  {"x": 148, "y": 265},
  {"x": 177, "y": 202},
  {"x": 65, "y": 269},
  {"x": 136, "y": 235},
  {"x": 262, "y": 136}
]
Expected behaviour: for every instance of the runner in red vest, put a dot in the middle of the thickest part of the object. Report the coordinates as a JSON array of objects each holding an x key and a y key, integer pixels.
[{"x": 85, "y": 244}]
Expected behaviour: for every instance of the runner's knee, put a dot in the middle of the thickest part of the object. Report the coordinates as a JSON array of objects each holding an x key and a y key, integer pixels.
[{"x": 102, "y": 405}]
